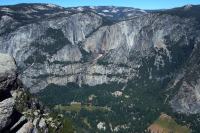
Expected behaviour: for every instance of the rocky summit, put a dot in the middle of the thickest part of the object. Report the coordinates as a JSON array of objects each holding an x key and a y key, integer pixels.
[{"x": 155, "y": 53}]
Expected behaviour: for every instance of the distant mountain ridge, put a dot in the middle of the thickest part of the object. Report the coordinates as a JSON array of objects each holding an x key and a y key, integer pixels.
[
  {"x": 23, "y": 14},
  {"x": 114, "y": 12},
  {"x": 110, "y": 12}
]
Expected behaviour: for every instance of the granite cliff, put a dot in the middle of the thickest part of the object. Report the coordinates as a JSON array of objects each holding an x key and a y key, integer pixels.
[{"x": 85, "y": 48}]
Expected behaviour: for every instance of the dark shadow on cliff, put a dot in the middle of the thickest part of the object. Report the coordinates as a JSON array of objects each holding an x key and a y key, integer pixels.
[
  {"x": 12, "y": 128},
  {"x": 5, "y": 96}
]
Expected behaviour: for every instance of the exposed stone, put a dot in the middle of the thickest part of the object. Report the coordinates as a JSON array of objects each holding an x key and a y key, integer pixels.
[
  {"x": 18, "y": 112},
  {"x": 42, "y": 123},
  {"x": 36, "y": 121},
  {"x": 27, "y": 128},
  {"x": 7, "y": 79},
  {"x": 188, "y": 99},
  {"x": 18, "y": 123},
  {"x": 101, "y": 126},
  {"x": 6, "y": 111},
  {"x": 7, "y": 72},
  {"x": 114, "y": 44},
  {"x": 117, "y": 93}
]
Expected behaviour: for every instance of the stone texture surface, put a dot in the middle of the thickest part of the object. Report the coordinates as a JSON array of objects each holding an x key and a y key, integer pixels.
[
  {"x": 18, "y": 112},
  {"x": 7, "y": 72},
  {"x": 42, "y": 123},
  {"x": 7, "y": 79},
  {"x": 27, "y": 128},
  {"x": 18, "y": 123},
  {"x": 6, "y": 111}
]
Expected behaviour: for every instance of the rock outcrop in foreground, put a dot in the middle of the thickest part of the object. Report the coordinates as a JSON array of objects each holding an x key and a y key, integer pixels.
[{"x": 18, "y": 111}]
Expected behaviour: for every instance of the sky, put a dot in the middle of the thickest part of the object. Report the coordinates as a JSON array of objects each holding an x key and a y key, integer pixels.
[{"x": 142, "y": 4}]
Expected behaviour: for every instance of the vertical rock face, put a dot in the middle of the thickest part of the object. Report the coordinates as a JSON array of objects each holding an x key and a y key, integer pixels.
[
  {"x": 29, "y": 38},
  {"x": 85, "y": 43},
  {"x": 18, "y": 112},
  {"x": 187, "y": 99}
]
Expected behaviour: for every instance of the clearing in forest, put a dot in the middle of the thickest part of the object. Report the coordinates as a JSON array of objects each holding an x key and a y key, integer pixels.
[
  {"x": 165, "y": 124},
  {"x": 77, "y": 107}
]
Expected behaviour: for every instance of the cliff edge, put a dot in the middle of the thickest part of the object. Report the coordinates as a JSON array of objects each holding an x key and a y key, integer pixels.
[{"x": 19, "y": 111}]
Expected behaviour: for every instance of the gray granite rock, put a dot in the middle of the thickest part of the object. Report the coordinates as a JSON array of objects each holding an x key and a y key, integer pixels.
[
  {"x": 7, "y": 72},
  {"x": 6, "y": 111}
]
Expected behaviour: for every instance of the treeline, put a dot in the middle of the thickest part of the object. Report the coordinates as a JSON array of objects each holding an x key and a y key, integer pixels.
[{"x": 133, "y": 112}]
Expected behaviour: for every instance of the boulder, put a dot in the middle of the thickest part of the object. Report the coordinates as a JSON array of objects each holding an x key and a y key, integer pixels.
[
  {"x": 7, "y": 73},
  {"x": 6, "y": 111},
  {"x": 42, "y": 123},
  {"x": 27, "y": 128}
]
